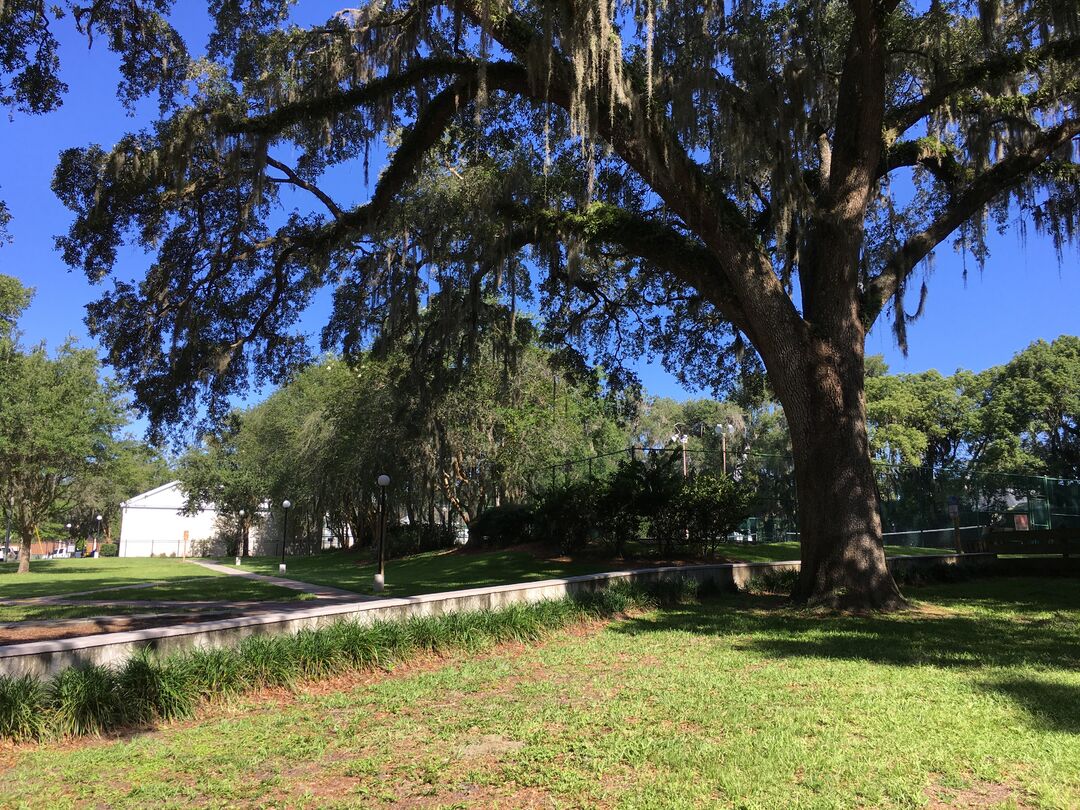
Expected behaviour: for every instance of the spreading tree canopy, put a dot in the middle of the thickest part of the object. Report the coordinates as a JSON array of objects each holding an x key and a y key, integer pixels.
[
  {"x": 720, "y": 182},
  {"x": 56, "y": 423},
  {"x": 152, "y": 56}
]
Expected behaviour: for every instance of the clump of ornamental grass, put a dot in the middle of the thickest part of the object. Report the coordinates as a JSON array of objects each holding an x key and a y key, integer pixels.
[
  {"x": 147, "y": 689},
  {"x": 22, "y": 708}
]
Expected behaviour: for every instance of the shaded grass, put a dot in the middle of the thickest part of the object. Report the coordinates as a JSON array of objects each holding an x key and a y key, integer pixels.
[
  {"x": 96, "y": 699},
  {"x": 221, "y": 587},
  {"x": 446, "y": 571},
  {"x": 782, "y": 552},
  {"x": 736, "y": 702},
  {"x": 427, "y": 573},
  {"x": 26, "y": 613}
]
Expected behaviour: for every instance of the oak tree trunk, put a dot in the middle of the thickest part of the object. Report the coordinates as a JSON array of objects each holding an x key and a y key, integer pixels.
[{"x": 843, "y": 560}]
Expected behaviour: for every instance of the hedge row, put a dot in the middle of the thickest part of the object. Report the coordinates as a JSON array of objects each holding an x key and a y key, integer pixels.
[{"x": 146, "y": 689}]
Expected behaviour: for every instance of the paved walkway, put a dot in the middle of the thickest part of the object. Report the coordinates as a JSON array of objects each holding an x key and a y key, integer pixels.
[{"x": 320, "y": 591}]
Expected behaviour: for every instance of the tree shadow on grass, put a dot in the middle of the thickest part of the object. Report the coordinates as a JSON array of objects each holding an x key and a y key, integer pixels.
[
  {"x": 1052, "y": 706},
  {"x": 1023, "y": 624}
]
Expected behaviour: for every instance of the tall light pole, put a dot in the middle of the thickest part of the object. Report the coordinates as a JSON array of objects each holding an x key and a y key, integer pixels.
[
  {"x": 97, "y": 537},
  {"x": 380, "y": 577},
  {"x": 7, "y": 528},
  {"x": 723, "y": 431},
  {"x": 286, "y": 505},
  {"x": 682, "y": 438},
  {"x": 240, "y": 537},
  {"x": 66, "y": 541}
]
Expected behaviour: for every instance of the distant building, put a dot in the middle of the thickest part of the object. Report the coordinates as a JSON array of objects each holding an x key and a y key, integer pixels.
[{"x": 154, "y": 524}]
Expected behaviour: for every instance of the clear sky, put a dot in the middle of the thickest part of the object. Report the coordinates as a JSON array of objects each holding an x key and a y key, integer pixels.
[{"x": 1024, "y": 294}]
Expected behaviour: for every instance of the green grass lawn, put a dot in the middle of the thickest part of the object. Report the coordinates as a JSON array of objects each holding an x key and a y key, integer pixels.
[
  {"x": 972, "y": 701},
  {"x": 425, "y": 573},
  {"x": 181, "y": 581},
  {"x": 221, "y": 587},
  {"x": 34, "y": 613},
  {"x": 59, "y": 577},
  {"x": 442, "y": 571},
  {"x": 776, "y": 552}
]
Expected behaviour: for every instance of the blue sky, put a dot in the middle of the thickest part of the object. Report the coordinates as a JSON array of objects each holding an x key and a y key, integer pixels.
[{"x": 1025, "y": 293}]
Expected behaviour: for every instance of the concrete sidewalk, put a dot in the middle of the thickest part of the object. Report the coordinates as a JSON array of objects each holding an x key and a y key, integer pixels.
[{"x": 319, "y": 591}]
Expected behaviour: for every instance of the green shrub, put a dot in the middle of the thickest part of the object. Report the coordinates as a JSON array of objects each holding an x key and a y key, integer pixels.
[
  {"x": 109, "y": 550},
  {"x": 268, "y": 660},
  {"x": 22, "y": 708},
  {"x": 774, "y": 581},
  {"x": 503, "y": 526},
  {"x": 567, "y": 516},
  {"x": 150, "y": 691},
  {"x": 214, "y": 672},
  {"x": 417, "y": 538},
  {"x": 145, "y": 689},
  {"x": 85, "y": 701}
]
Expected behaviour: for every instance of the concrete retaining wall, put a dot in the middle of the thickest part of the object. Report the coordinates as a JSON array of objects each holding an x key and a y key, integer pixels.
[{"x": 45, "y": 658}]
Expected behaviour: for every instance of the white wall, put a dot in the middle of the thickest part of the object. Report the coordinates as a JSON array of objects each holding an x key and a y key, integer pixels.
[{"x": 151, "y": 523}]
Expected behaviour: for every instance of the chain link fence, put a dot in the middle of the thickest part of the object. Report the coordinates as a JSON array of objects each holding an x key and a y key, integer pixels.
[{"x": 920, "y": 507}]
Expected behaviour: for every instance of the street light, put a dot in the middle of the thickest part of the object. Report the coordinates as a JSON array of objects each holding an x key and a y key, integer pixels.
[
  {"x": 240, "y": 537},
  {"x": 682, "y": 438},
  {"x": 97, "y": 536},
  {"x": 286, "y": 505},
  {"x": 68, "y": 527},
  {"x": 380, "y": 578},
  {"x": 723, "y": 431}
]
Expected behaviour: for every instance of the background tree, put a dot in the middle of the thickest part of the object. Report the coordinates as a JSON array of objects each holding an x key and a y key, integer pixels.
[
  {"x": 456, "y": 432},
  {"x": 56, "y": 422},
  {"x": 125, "y": 468},
  {"x": 723, "y": 185}
]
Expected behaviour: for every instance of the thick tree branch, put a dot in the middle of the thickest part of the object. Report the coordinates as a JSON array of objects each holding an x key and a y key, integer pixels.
[
  {"x": 657, "y": 243},
  {"x": 1000, "y": 178},
  {"x": 296, "y": 180},
  {"x": 936, "y": 157},
  {"x": 906, "y": 116}
]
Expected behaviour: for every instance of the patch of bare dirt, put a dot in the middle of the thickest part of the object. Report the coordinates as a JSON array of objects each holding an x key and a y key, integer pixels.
[
  {"x": 67, "y": 628},
  {"x": 976, "y": 796},
  {"x": 490, "y": 745}
]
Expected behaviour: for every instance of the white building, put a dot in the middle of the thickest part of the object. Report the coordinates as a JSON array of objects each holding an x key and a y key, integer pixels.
[{"x": 154, "y": 524}]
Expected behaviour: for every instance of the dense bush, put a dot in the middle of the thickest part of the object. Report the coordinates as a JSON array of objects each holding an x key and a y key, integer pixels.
[
  {"x": 416, "y": 538},
  {"x": 567, "y": 516},
  {"x": 645, "y": 498},
  {"x": 641, "y": 498},
  {"x": 503, "y": 526},
  {"x": 94, "y": 699},
  {"x": 109, "y": 549}
]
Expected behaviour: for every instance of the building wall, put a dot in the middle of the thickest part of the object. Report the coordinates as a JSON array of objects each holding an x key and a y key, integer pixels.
[{"x": 152, "y": 524}]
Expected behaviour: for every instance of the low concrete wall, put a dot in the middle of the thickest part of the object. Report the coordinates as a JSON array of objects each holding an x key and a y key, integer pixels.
[{"x": 45, "y": 658}]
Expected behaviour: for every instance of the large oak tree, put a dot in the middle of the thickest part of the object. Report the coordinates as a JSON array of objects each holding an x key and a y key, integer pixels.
[{"x": 721, "y": 182}]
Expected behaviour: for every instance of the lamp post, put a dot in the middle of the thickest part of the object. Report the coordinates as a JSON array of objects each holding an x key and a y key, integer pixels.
[
  {"x": 66, "y": 541},
  {"x": 286, "y": 505},
  {"x": 682, "y": 438},
  {"x": 380, "y": 578},
  {"x": 97, "y": 536},
  {"x": 240, "y": 537},
  {"x": 723, "y": 431}
]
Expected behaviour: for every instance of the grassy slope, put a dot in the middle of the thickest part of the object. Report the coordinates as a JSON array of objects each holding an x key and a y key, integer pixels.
[
  {"x": 736, "y": 702},
  {"x": 426, "y": 573},
  {"x": 440, "y": 571},
  {"x": 777, "y": 552},
  {"x": 59, "y": 577},
  {"x": 182, "y": 581}
]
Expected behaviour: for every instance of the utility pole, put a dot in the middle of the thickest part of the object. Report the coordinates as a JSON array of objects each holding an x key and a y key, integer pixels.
[{"x": 7, "y": 530}]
